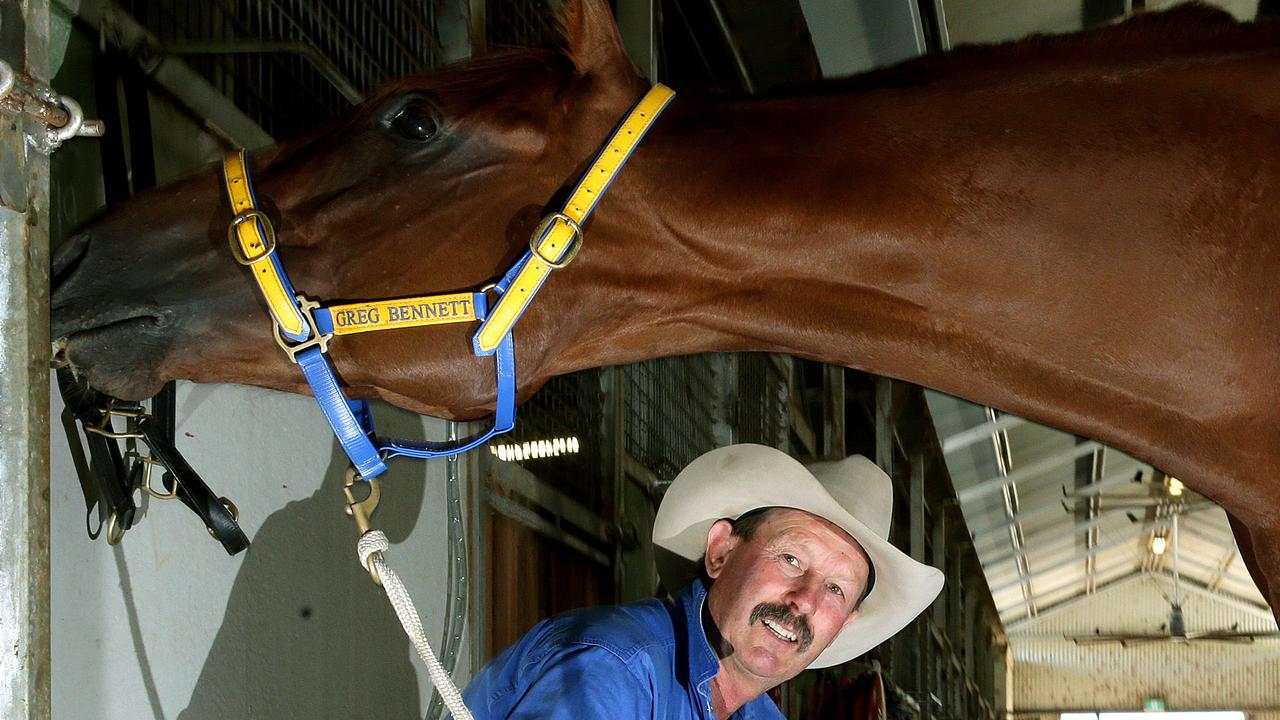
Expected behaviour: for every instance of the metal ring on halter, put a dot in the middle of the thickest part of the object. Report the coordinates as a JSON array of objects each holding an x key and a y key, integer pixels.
[
  {"x": 146, "y": 481},
  {"x": 107, "y": 431},
  {"x": 7, "y": 79},
  {"x": 268, "y": 236},
  {"x": 114, "y": 537},
  {"x": 75, "y": 118},
  {"x": 575, "y": 240}
]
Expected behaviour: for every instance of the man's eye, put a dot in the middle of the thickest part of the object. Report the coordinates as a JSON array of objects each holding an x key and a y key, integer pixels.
[
  {"x": 836, "y": 589},
  {"x": 790, "y": 559}
]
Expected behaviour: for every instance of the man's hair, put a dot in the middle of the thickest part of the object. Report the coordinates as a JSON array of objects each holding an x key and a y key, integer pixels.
[{"x": 745, "y": 527}]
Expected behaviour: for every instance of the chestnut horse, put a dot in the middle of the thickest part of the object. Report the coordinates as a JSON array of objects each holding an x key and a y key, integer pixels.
[{"x": 1078, "y": 230}]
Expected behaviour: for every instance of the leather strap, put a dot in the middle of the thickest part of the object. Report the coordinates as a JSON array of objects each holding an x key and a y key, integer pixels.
[
  {"x": 558, "y": 236},
  {"x": 253, "y": 243},
  {"x": 191, "y": 489}
]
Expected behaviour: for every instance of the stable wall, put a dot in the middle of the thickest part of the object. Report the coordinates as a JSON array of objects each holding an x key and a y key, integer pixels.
[
  {"x": 1052, "y": 673},
  {"x": 166, "y": 625}
]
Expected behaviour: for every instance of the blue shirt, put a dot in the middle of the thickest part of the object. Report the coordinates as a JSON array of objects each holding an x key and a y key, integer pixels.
[{"x": 648, "y": 659}]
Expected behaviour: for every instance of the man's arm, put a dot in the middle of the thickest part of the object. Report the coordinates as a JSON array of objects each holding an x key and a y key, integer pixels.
[{"x": 583, "y": 682}]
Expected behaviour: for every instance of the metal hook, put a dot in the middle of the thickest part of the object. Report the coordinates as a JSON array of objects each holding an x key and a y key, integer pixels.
[{"x": 362, "y": 510}]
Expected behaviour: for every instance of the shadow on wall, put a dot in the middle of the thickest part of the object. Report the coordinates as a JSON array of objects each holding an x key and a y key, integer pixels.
[{"x": 306, "y": 633}]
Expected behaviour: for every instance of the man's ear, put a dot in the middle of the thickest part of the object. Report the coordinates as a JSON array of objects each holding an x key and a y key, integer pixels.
[
  {"x": 591, "y": 40},
  {"x": 720, "y": 543}
]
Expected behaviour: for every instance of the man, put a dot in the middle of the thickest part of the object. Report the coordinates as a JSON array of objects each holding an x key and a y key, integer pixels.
[{"x": 787, "y": 568}]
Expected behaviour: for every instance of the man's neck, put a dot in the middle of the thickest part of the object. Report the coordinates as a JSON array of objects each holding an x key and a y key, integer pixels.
[
  {"x": 727, "y": 696},
  {"x": 730, "y": 688}
]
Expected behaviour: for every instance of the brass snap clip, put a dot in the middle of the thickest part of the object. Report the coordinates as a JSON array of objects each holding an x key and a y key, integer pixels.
[{"x": 362, "y": 510}]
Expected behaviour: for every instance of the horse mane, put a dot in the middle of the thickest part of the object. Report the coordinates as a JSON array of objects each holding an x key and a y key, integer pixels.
[{"x": 1187, "y": 31}]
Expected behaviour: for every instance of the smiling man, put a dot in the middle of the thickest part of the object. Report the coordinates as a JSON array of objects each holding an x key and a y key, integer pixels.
[{"x": 781, "y": 567}]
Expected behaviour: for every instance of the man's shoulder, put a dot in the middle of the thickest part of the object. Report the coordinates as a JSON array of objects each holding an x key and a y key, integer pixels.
[{"x": 624, "y": 630}]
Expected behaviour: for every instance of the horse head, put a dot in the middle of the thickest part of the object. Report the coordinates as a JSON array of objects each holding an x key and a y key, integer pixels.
[{"x": 431, "y": 186}]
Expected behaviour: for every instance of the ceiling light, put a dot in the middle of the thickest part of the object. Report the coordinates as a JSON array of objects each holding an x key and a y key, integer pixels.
[
  {"x": 1175, "y": 486},
  {"x": 536, "y": 449},
  {"x": 1158, "y": 544}
]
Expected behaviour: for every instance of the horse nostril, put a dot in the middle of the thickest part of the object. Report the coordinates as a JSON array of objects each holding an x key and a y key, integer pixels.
[{"x": 66, "y": 259}]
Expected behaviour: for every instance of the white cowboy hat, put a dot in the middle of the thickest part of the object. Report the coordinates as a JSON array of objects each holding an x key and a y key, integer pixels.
[{"x": 852, "y": 493}]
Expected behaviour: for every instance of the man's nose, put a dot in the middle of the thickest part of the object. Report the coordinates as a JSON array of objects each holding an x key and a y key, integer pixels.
[{"x": 804, "y": 595}]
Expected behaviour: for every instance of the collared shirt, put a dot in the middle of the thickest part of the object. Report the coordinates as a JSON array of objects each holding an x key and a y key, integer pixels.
[{"x": 649, "y": 659}]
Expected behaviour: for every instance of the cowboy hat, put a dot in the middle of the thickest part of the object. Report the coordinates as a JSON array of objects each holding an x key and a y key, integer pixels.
[{"x": 852, "y": 493}]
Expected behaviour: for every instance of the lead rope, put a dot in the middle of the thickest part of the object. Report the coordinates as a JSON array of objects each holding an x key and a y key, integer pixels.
[{"x": 370, "y": 548}]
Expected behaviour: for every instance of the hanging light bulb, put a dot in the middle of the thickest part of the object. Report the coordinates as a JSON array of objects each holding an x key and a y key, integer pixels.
[{"x": 1158, "y": 544}]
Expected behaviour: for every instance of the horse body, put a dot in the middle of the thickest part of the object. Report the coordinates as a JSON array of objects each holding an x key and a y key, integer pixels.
[{"x": 1079, "y": 231}]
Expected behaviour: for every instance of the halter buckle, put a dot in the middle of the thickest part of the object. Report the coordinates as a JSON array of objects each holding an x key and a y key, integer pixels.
[
  {"x": 575, "y": 240},
  {"x": 314, "y": 338},
  {"x": 268, "y": 236}
]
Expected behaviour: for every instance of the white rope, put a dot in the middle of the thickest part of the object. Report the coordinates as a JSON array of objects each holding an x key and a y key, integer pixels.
[{"x": 371, "y": 546}]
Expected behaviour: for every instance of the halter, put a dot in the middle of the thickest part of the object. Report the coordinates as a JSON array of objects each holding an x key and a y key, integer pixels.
[{"x": 303, "y": 327}]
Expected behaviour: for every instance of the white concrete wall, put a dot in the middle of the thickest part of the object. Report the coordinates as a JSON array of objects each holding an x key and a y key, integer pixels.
[{"x": 166, "y": 625}]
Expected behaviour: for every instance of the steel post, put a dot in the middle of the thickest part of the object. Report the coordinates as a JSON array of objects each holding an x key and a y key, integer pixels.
[{"x": 24, "y": 371}]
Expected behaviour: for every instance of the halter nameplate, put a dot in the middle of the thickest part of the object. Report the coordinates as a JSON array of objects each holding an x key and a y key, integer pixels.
[
  {"x": 558, "y": 236},
  {"x": 396, "y": 314}
]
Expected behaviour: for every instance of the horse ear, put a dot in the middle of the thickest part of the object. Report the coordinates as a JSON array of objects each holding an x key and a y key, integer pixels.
[{"x": 591, "y": 38}]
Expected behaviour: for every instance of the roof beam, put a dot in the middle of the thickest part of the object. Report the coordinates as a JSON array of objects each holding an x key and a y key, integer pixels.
[
  {"x": 1040, "y": 467},
  {"x": 1076, "y": 557},
  {"x": 1110, "y": 567},
  {"x": 1229, "y": 599},
  {"x": 1063, "y": 504},
  {"x": 979, "y": 433},
  {"x": 1115, "y": 504},
  {"x": 1059, "y": 607}
]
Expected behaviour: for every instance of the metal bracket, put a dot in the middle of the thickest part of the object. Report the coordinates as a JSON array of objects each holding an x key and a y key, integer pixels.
[{"x": 61, "y": 116}]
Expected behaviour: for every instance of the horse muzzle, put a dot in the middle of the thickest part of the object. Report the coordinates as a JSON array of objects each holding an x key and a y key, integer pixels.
[{"x": 110, "y": 335}]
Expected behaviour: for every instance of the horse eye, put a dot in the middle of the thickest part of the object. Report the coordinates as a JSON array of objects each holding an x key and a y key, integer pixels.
[{"x": 416, "y": 121}]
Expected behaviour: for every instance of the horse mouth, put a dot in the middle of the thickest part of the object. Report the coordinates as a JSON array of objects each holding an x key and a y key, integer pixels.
[{"x": 117, "y": 356}]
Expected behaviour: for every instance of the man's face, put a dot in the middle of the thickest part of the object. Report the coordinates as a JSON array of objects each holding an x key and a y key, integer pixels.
[{"x": 780, "y": 598}]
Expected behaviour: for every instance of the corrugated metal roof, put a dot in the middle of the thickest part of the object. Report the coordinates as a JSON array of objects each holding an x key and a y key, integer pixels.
[{"x": 1055, "y": 517}]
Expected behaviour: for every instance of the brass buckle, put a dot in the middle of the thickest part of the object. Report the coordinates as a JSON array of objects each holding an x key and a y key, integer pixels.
[
  {"x": 305, "y": 306},
  {"x": 268, "y": 236},
  {"x": 575, "y": 240},
  {"x": 105, "y": 428}
]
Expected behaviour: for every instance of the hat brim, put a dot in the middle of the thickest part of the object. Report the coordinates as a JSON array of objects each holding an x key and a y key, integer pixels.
[{"x": 756, "y": 476}]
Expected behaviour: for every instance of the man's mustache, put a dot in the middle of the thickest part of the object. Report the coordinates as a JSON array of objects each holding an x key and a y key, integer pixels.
[{"x": 784, "y": 616}]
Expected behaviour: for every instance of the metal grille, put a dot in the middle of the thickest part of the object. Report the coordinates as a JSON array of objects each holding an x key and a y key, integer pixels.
[
  {"x": 761, "y": 406},
  {"x": 520, "y": 23},
  {"x": 290, "y": 64},
  {"x": 669, "y": 412},
  {"x": 568, "y": 406}
]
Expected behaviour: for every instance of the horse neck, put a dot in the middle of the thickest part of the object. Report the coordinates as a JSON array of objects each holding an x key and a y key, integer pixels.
[
  {"x": 781, "y": 225},
  {"x": 922, "y": 235}
]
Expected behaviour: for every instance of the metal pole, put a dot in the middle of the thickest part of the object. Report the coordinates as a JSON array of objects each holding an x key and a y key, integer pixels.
[{"x": 24, "y": 372}]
